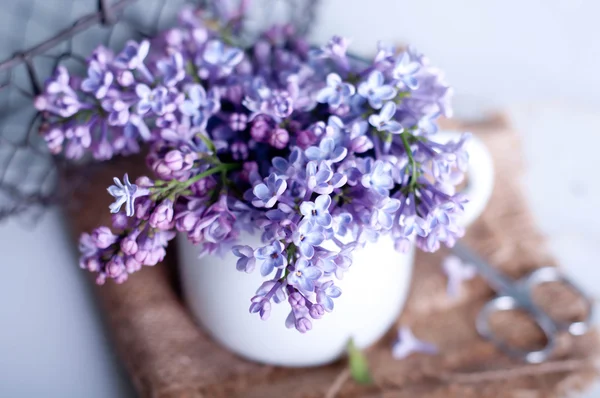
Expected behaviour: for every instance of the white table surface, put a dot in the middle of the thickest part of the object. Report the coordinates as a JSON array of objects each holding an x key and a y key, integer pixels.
[{"x": 52, "y": 342}]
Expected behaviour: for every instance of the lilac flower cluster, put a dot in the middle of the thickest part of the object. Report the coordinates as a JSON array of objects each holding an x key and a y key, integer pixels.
[{"x": 320, "y": 152}]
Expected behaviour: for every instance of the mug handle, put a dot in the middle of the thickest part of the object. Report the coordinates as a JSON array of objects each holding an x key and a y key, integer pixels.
[{"x": 480, "y": 175}]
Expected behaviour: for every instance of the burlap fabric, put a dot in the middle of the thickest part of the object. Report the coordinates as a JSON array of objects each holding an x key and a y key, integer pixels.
[{"x": 168, "y": 356}]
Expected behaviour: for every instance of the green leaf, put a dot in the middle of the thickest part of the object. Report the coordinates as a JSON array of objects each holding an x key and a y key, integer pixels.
[{"x": 359, "y": 367}]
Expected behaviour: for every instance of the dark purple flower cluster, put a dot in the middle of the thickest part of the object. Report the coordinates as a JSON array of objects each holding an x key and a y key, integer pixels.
[{"x": 320, "y": 152}]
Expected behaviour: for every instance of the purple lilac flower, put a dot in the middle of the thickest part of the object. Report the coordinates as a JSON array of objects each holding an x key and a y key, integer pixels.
[
  {"x": 247, "y": 261},
  {"x": 267, "y": 193},
  {"x": 327, "y": 150},
  {"x": 133, "y": 54},
  {"x": 405, "y": 70},
  {"x": 317, "y": 211},
  {"x": 118, "y": 111},
  {"x": 98, "y": 81},
  {"x": 335, "y": 50},
  {"x": 377, "y": 177},
  {"x": 58, "y": 97},
  {"x": 224, "y": 59},
  {"x": 238, "y": 121},
  {"x": 270, "y": 257},
  {"x": 125, "y": 193},
  {"x": 307, "y": 236},
  {"x": 273, "y": 159},
  {"x": 78, "y": 140},
  {"x": 359, "y": 140},
  {"x": 151, "y": 99},
  {"x": 385, "y": 120},
  {"x": 171, "y": 69},
  {"x": 384, "y": 211},
  {"x": 321, "y": 179},
  {"x": 162, "y": 216},
  {"x": 457, "y": 272},
  {"x": 262, "y": 306},
  {"x": 408, "y": 344},
  {"x": 199, "y": 106},
  {"x": 279, "y": 138},
  {"x": 375, "y": 90},
  {"x": 336, "y": 91},
  {"x": 326, "y": 293},
  {"x": 304, "y": 275}
]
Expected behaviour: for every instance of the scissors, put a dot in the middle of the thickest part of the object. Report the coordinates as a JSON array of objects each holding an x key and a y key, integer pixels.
[{"x": 517, "y": 295}]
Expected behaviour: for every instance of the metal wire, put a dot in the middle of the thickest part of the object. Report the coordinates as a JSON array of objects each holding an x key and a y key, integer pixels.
[{"x": 38, "y": 35}]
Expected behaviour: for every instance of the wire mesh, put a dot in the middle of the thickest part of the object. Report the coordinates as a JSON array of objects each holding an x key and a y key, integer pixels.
[{"x": 38, "y": 35}]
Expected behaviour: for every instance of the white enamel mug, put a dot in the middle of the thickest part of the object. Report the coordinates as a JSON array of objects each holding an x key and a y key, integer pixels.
[{"x": 374, "y": 291}]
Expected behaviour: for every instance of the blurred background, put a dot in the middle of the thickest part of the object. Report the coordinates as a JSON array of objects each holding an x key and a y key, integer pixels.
[{"x": 537, "y": 61}]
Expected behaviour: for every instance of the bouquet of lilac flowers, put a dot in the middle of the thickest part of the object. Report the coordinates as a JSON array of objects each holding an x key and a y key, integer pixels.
[{"x": 309, "y": 146}]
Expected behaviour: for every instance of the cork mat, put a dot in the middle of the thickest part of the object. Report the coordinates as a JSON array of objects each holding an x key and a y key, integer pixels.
[{"x": 168, "y": 356}]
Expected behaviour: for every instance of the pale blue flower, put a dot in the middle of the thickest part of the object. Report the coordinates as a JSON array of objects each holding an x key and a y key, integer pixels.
[
  {"x": 270, "y": 257},
  {"x": 326, "y": 293},
  {"x": 378, "y": 177},
  {"x": 327, "y": 150},
  {"x": 98, "y": 81},
  {"x": 267, "y": 193},
  {"x": 171, "y": 69},
  {"x": 304, "y": 275},
  {"x": 307, "y": 236},
  {"x": 336, "y": 91},
  {"x": 247, "y": 261},
  {"x": 221, "y": 57},
  {"x": 317, "y": 211},
  {"x": 375, "y": 90},
  {"x": 405, "y": 70},
  {"x": 125, "y": 194},
  {"x": 322, "y": 179},
  {"x": 384, "y": 212},
  {"x": 151, "y": 99},
  {"x": 133, "y": 54},
  {"x": 384, "y": 121},
  {"x": 199, "y": 106}
]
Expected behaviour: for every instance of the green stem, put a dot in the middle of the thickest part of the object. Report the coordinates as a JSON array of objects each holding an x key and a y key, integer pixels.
[{"x": 411, "y": 159}]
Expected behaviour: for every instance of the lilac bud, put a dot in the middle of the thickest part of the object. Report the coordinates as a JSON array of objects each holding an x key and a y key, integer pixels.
[
  {"x": 142, "y": 208},
  {"x": 262, "y": 51},
  {"x": 132, "y": 265},
  {"x": 174, "y": 160},
  {"x": 120, "y": 220},
  {"x": 129, "y": 245},
  {"x": 247, "y": 169},
  {"x": 125, "y": 78},
  {"x": 261, "y": 129},
  {"x": 121, "y": 278},
  {"x": 92, "y": 264},
  {"x": 162, "y": 216},
  {"x": 203, "y": 186},
  {"x": 262, "y": 306},
  {"x": 238, "y": 121},
  {"x": 316, "y": 311},
  {"x": 280, "y": 138},
  {"x": 239, "y": 150},
  {"x": 40, "y": 103},
  {"x": 303, "y": 325},
  {"x": 305, "y": 138},
  {"x": 103, "y": 237},
  {"x": 297, "y": 301},
  {"x": 144, "y": 182},
  {"x": 54, "y": 139},
  {"x": 115, "y": 267},
  {"x": 101, "y": 279}
]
